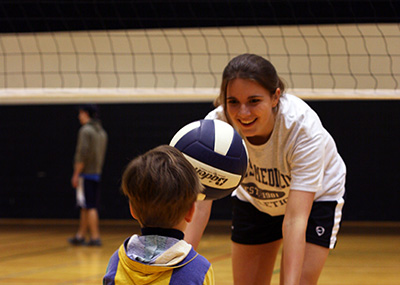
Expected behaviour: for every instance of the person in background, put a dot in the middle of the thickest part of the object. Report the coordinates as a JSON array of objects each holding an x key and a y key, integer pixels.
[{"x": 88, "y": 164}]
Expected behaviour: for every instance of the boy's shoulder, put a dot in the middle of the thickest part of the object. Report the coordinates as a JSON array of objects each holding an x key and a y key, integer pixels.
[
  {"x": 193, "y": 267},
  {"x": 185, "y": 265}
]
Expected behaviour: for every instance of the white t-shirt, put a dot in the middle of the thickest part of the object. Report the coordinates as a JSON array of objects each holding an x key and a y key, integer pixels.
[{"x": 299, "y": 155}]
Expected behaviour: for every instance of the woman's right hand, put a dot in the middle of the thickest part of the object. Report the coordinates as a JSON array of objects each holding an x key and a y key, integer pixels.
[{"x": 196, "y": 227}]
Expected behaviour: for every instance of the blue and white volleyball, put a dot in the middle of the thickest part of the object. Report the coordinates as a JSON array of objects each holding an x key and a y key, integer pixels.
[{"x": 218, "y": 154}]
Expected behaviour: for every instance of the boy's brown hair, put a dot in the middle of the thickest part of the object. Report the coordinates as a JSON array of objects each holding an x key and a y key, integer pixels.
[{"x": 161, "y": 186}]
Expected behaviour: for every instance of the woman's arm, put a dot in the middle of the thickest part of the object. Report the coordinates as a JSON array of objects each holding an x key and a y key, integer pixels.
[
  {"x": 294, "y": 235},
  {"x": 196, "y": 227}
]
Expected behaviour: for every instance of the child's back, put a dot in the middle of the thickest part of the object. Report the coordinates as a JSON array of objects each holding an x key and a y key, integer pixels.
[{"x": 162, "y": 187}]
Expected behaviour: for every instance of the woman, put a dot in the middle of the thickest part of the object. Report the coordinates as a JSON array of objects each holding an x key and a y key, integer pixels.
[{"x": 292, "y": 194}]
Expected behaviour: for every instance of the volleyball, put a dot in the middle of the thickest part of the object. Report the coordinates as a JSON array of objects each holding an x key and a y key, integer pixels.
[{"x": 218, "y": 154}]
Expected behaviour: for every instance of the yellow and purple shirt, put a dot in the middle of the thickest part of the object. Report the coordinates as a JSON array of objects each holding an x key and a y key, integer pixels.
[{"x": 154, "y": 259}]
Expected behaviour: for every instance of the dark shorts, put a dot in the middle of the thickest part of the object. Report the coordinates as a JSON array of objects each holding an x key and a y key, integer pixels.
[
  {"x": 88, "y": 193},
  {"x": 250, "y": 226}
]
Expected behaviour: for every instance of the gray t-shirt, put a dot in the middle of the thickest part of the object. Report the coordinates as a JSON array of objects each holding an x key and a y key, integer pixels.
[{"x": 91, "y": 147}]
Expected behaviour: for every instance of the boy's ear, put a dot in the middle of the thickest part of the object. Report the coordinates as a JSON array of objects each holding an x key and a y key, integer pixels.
[
  {"x": 190, "y": 213},
  {"x": 132, "y": 212}
]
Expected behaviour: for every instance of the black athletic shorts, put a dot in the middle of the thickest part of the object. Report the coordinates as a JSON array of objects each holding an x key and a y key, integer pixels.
[
  {"x": 88, "y": 193},
  {"x": 250, "y": 226}
]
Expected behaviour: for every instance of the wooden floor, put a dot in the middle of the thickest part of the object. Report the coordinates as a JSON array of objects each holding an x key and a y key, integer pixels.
[{"x": 36, "y": 252}]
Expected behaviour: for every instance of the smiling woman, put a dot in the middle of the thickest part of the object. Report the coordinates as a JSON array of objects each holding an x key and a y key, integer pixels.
[
  {"x": 250, "y": 93},
  {"x": 285, "y": 140},
  {"x": 252, "y": 109}
]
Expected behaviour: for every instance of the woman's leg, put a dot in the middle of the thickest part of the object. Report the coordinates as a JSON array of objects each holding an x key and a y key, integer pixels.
[
  {"x": 254, "y": 264},
  {"x": 314, "y": 260}
]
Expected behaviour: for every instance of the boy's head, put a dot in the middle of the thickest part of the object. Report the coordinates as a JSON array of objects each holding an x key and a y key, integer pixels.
[{"x": 162, "y": 187}]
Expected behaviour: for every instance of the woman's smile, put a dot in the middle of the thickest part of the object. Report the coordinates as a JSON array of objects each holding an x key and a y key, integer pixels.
[{"x": 250, "y": 107}]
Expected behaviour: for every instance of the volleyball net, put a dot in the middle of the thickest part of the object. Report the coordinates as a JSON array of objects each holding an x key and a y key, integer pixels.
[{"x": 143, "y": 51}]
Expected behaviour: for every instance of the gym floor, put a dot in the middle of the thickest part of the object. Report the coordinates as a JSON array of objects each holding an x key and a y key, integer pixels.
[{"x": 37, "y": 252}]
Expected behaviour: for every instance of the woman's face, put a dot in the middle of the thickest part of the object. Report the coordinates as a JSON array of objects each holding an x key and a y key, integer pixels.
[{"x": 249, "y": 106}]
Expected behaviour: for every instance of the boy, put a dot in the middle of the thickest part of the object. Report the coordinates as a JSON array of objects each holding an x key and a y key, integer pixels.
[{"x": 162, "y": 188}]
